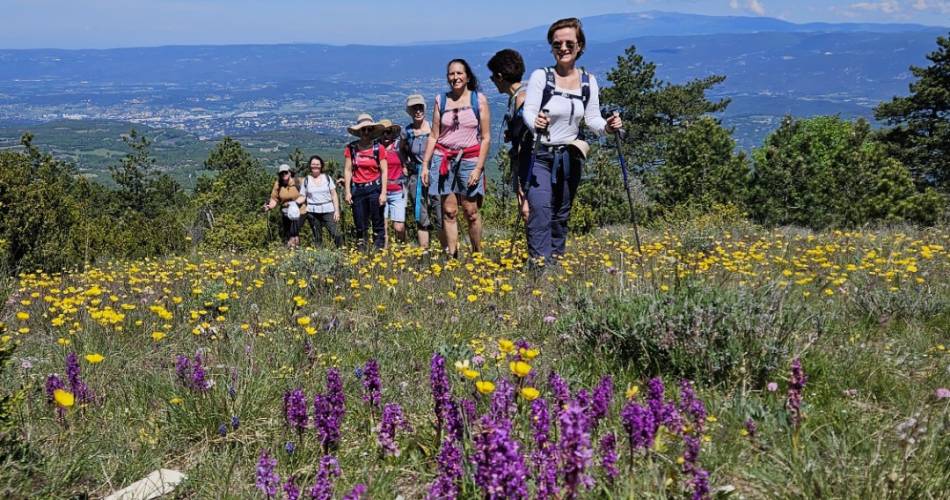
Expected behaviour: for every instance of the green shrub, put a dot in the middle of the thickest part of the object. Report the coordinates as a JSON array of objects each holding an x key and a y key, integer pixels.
[{"x": 699, "y": 333}]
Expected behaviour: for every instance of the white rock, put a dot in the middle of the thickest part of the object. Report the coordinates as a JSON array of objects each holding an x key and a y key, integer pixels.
[{"x": 154, "y": 485}]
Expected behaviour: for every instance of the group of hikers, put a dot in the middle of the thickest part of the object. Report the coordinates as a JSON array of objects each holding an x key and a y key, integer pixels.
[{"x": 438, "y": 167}]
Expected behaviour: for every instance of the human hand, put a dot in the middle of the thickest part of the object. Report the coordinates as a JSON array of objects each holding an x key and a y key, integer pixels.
[
  {"x": 542, "y": 121},
  {"x": 348, "y": 197},
  {"x": 424, "y": 176},
  {"x": 336, "y": 216},
  {"x": 474, "y": 177},
  {"x": 382, "y": 199},
  {"x": 614, "y": 123}
]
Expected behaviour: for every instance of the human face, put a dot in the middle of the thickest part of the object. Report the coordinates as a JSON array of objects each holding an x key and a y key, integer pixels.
[
  {"x": 564, "y": 46},
  {"x": 457, "y": 77},
  {"x": 315, "y": 167},
  {"x": 499, "y": 83},
  {"x": 417, "y": 112}
]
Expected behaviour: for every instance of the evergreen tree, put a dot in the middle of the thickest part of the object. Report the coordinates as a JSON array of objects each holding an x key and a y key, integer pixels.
[
  {"x": 920, "y": 123},
  {"x": 132, "y": 172}
]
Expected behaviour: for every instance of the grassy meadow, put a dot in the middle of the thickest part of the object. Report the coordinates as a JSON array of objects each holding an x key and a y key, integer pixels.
[{"x": 728, "y": 306}]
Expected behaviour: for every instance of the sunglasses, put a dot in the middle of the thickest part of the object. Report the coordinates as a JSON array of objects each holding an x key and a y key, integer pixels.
[{"x": 568, "y": 44}]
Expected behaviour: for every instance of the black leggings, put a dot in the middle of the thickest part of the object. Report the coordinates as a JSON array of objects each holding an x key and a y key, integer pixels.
[{"x": 318, "y": 222}]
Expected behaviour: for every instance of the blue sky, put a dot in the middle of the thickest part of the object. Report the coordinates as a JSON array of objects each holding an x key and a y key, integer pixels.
[{"x": 131, "y": 23}]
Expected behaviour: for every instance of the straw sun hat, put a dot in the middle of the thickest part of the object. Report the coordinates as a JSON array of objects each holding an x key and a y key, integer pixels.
[
  {"x": 364, "y": 120},
  {"x": 389, "y": 126}
]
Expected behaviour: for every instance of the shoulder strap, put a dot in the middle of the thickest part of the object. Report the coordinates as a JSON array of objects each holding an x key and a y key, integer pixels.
[
  {"x": 478, "y": 114},
  {"x": 442, "y": 103},
  {"x": 585, "y": 87},
  {"x": 409, "y": 135},
  {"x": 376, "y": 152},
  {"x": 549, "y": 86}
]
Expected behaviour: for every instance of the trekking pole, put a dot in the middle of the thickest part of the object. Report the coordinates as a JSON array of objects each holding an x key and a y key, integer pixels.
[
  {"x": 534, "y": 154},
  {"x": 620, "y": 135}
]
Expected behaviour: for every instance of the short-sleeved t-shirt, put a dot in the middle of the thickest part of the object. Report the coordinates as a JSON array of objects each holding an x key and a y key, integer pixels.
[
  {"x": 365, "y": 167},
  {"x": 394, "y": 165}
]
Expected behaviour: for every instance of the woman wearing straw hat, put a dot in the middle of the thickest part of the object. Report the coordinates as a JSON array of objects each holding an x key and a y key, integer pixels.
[
  {"x": 457, "y": 149},
  {"x": 558, "y": 98},
  {"x": 395, "y": 210},
  {"x": 365, "y": 180},
  {"x": 293, "y": 206},
  {"x": 415, "y": 136}
]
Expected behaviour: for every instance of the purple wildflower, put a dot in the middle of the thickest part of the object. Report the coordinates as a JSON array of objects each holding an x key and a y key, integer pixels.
[
  {"x": 223, "y": 430},
  {"x": 53, "y": 382},
  {"x": 235, "y": 422},
  {"x": 692, "y": 406},
  {"x": 198, "y": 381},
  {"x": 295, "y": 409},
  {"x": 561, "y": 391},
  {"x": 608, "y": 456},
  {"x": 267, "y": 479},
  {"x": 291, "y": 491},
  {"x": 454, "y": 426},
  {"x": 446, "y": 486},
  {"x": 700, "y": 483},
  {"x": 322, "y": 489},
  {"x": 357, "y": 493},
  {"x": 600, "y": 404},
  {"x": 469, "y": 411},
  {"x": 796, "y": 387},
  {"x": 441, "y": 390},
  {"x": 392, "y": 421},
  {"x": 750, "y": 427},
  {"x": 371, "y": 383},
  {"x": 328, "y": 411},
  {"x": 76, "y": 385},
  {"x": 540, "y": 421},
  {"x": 544, "y": 457},
  {"x": 499, "y": 467},
  {"x": 290, "y": 447},
  {"x": 640, "y": 425},
  {"x": 575, "y": 449},
  {"x": 503, "y": 404},
  {"x": 183, "y": 369}
]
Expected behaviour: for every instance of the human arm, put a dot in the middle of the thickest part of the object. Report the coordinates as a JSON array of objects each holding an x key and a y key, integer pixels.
[
  {"x": 430, "y": 145},
  {"x": 384, "y": 177},
  {"x": 532, "y": 101},
  {"x": 347, "y": 177},
  {"x": 592, "y": 117},
  {"x": 485, "y": 124},
  {"x": 334, "y": 198},
  {"x": 272, "y": 201}
]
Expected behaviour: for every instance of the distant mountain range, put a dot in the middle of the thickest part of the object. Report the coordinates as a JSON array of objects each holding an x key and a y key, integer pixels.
[
  {"x": 616, "y": 27},
  {"x": 773, "y": 68}
]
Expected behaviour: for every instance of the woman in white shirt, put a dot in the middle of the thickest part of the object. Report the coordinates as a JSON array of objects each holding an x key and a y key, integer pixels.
[
  {"x": 323, "y": 204},
  {"x": 558, "y": 98}
]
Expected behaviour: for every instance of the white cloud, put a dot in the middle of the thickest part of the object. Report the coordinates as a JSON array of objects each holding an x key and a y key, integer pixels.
[
  {"x": 757, "y": 7},
  {"x": 753, "y": 6},
  {"x": 941, "y": 6},
  {"x": 886, "y": 6}
]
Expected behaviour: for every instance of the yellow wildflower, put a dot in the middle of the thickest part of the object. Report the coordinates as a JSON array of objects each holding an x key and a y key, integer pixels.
[
  {"x": 95, "y": 358},
  {"x": 530, "y": 393},
  {"x": 485, "y": 386},
  {"x": 64, "y": 398}
]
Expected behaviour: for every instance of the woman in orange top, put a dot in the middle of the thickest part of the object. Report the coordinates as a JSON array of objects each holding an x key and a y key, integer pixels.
[{"x": 286, "y": 194}]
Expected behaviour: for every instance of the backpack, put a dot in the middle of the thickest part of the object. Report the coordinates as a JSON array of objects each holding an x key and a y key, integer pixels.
[
  {"x": 475, "y": 108},
  {"x": 550, "y": 89},
  {"x": 353, "y": 152},
  {"x": 513, "y": 124}
]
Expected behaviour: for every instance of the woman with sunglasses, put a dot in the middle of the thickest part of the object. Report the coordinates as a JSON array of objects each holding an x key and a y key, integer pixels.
[
  {"x": 456, "y": 153},
  {"x": 285, "y": 194},
  {"x": 413, "y": 142},
  {"x": 365, "y": 180},
  {"x": 558, "y": 99}
]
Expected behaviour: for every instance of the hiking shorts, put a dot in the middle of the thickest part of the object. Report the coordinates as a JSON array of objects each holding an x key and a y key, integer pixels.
[
  {"x": 395, "y": 206},
  {"x": 456, "y": 180}
]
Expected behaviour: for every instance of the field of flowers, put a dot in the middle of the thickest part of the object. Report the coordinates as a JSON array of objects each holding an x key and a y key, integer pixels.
[{"x": 722, "y": 361}]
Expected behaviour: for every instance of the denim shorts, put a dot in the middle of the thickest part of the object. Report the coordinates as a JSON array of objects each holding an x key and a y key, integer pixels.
[
  {"x": 456, "y": 180},
  {"x": 395, "y": 206}
]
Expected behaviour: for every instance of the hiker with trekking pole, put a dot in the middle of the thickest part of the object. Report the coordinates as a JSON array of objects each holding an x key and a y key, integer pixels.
[{"x": 558, "y": 98}]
